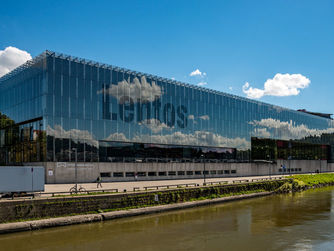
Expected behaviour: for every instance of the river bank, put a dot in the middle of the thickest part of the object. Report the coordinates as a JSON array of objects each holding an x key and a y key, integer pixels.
[
  {"x": 89, "y": 218},
  {"x": 292, "y": 221},
  {"x": 36, "y": 214}
]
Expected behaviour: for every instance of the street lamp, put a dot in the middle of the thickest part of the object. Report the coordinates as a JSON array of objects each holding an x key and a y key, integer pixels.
[
  {"x": 204, "y": 172},
  {"x": 76, "y": 169},
  {"x": 268, "y": 157}
]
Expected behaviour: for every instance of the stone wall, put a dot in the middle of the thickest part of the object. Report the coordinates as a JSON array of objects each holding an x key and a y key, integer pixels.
[{"x": 61, "y": 206}]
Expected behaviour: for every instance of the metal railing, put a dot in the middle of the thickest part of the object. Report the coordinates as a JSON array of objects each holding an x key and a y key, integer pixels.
[
  {"x": 170, "y": 186},
  {"x": 240, "y": 181},
  {"x": 215, "y": 183},
  {"x": 264, "y": 179},
  {"x": 53, "y": 194}
]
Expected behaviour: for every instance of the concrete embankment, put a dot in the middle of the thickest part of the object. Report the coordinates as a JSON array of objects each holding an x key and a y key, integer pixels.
[
  {"x": 59, "y": 211},
  {"x": 78, "y": 219},
  {"x": 18, "y": 210}
]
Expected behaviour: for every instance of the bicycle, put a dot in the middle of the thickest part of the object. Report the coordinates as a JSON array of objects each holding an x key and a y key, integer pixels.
[{"x": 75, "y": 189}]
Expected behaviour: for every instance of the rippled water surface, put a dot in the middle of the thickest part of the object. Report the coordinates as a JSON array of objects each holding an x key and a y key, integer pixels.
[{"x": 302, "y": 221}]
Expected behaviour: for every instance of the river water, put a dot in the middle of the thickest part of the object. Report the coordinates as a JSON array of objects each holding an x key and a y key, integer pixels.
[{"x": 301, "y": 221}]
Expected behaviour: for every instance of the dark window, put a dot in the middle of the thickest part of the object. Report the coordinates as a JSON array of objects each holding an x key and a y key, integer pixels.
[
  {"x": 129, "y": 174},
  {"x": 171, "y": 173},
  {"x": 118, "y": 174},
  {"x": 160, "y": 153},
  {"x": 105, "y": 174},
  {"x": 141, "y": 174},
  {"x": 198, "y": 172},
  {"x": 226, "y": 171},
  {"x": 180, "y": 173},
  {"x": 268, "y": 149},
  {"x": 205, "y": 172},
  {"x": 220, "y": 171},
  {"x": 233, "y": 171},
  {"x": 152, "y": 174},
  {"x": 213, "y": 172},
  {"x": 190, "y": 173},
  {"x": 162, "y": 173}
]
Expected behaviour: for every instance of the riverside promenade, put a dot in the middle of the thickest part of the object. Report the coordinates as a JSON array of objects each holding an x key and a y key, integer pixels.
[{"x": 140, "y": 185}]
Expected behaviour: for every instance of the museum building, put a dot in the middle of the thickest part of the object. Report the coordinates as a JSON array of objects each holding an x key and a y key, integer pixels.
[{"x": 118, "y": 123}]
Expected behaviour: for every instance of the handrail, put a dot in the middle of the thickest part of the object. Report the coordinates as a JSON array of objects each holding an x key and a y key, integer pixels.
[
  {"x": 263, "y": 179},
  {"x": 113, "y": 190},
  {"x": 240, "y": 181},
  {"x": 170, "y": 186},
  {"x": 216, "y": 183}
]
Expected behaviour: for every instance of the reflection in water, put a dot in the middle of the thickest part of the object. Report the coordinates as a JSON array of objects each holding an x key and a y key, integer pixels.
[{"x": 293, "y": 222}]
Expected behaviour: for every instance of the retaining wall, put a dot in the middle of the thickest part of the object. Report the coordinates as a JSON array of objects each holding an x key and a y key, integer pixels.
[{"x": 60, "y": 206}]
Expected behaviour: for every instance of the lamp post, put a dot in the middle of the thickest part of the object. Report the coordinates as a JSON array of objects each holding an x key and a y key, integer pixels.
[
  {"x": 32, "y": 180},
  {"x": 204, "y": 172},
  {"x": 76, "y": 169},
  {"x": 268, "y": 157}
]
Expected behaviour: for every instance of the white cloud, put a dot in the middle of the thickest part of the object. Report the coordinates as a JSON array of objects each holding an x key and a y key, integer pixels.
[
  {"x": 252, "y": 92},
  {"x": 155, "y": 125},
  {"x": 203, "y": 138},
  {"x": 286, "y": 130},
  {"x": 204, "y": 117},
  {"x": 230, "y": 88},
  {"x": 261, "y": 132},
  {"x": 116, "y": 136},
  {"x": 191, "y": 117},
  {"x": 137, "y": 90},
  {"x": 12, "y": 57},
  {"x": 198, "y": 73},
  {"x": 202, "y": 83},
  {"x": 59, "y": 132},
  {"x": 281, "y": 85}
]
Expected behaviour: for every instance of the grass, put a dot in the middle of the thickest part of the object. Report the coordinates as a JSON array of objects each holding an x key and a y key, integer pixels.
[
  {"x": 315, "y": 179},
  {"x": 306, "y": 181}
]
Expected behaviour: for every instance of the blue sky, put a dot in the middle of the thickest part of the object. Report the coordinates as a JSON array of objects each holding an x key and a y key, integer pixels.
[{"x": 232, "y": 42}]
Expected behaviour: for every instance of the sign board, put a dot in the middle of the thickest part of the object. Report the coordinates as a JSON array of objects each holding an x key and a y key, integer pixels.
[{"x": 61, "y": 164}]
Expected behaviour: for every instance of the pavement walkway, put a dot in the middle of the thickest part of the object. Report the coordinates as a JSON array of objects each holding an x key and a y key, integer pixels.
[{"x": 139, "y": 185}]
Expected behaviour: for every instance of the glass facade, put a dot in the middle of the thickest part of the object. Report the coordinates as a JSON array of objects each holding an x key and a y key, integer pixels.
[
  {"x": 56, "y": 103},
  {"x": 22, "y": 129}
]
